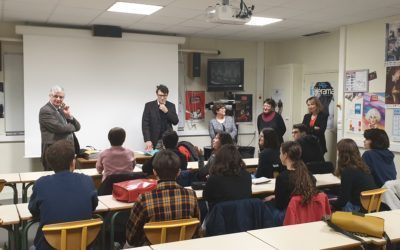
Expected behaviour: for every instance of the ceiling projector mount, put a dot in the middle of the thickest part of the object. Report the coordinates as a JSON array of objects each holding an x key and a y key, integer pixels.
[{"x": 229, "y": 14}]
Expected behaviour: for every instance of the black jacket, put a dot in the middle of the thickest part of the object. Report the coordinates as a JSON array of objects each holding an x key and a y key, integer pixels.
[{"x": 321, "y": 122}]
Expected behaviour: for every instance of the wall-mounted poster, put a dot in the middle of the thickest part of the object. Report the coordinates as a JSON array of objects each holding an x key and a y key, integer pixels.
[
  {"x": 356, "y": 81},
  {"x": 392, "y": 52},
  {"x": 392, "y": 91},
  {"x": 354, "y": 110},
  {"x": 374, "y": 111},
  {"x": 1, "y": 100},
  {"x": 396, "y": 125},
  {"x": 244, "y": 108},
  {"x": 195, "y": 104},
  {"x": 325, "y": 93}
]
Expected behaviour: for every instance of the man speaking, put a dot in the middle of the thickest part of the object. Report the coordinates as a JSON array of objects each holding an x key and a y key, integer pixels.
[
  {"x": 158, "y": 117},
  {"x": 56, "y": 122}
]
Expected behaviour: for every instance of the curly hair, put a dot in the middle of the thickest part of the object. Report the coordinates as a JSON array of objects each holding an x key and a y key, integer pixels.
[
  {"x": 349, "y": 157},
  {"x": 304, "y": 185},
  {"x": 228, "y": 161}
]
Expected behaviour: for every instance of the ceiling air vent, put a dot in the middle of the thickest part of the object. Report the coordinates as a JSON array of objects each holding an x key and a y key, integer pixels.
[{"x": 316, "y": 33}]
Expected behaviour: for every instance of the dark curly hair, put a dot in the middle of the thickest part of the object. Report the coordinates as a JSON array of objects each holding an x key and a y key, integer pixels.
[
  {"x": 349, "y": 157},
  {"x": 304, "y": 184},
  {"x": 228, "y": 161}
]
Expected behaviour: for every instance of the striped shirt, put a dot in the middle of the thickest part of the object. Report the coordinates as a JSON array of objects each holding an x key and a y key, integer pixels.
[{"x": 168, "y": 201}]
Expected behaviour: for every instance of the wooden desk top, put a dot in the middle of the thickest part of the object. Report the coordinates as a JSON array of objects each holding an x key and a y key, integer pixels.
[
  {"x": 236, "y": 241},
  {"x": 33, "y": 176},
  {"x": 314, "y": 235},
  {"x": 114, "y": 205},
  {"x": 9, "y": 215},
  {"x": 326, "y": 180},
  {"x": 25, "y": 214},
  {"x": 11, "y": 178},
  {"x": 392, "y": 229}
]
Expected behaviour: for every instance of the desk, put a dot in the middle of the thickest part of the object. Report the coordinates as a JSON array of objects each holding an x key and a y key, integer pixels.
[
  {"x": 392, "y": 229},
  {"x": 11, "y": 181},
  {"x": 91, "y": 163},
  {"x": 28, "y": 179},
  {"x": 324, "y": 180},
  {"x": 236, "y": 241},
  {"x": 139, "y": 248},
  {"x": 314, "y": 235},
  {"x": 251, "y": 164},
  {"x": 10, "y": 220}
]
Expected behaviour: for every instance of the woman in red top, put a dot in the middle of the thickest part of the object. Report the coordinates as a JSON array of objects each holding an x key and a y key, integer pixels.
[{"x": 316, "y": 121}]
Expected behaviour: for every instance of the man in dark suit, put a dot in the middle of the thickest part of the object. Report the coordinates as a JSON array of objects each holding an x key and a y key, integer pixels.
[
  {"x": 158, "y": 117},
  {"x": 310, "y": 148},
  {"x": 56, "y": 122}
]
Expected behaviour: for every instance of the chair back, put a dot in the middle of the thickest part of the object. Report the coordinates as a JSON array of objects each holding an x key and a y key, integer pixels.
[
  {"x": 297, "y": 213},
  {"x": 72, "y": 235},
  {"x": 169, "y": 231},
  {"x": 371, "y": 199},
  {"x": 2, "y": 184}
]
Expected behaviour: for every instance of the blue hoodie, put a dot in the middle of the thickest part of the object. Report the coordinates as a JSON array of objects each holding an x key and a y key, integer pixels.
[{"x": 380, "y": 162}]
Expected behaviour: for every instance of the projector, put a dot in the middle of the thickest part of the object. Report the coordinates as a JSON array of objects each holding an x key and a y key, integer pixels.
[{"x": 227, "y": 14}]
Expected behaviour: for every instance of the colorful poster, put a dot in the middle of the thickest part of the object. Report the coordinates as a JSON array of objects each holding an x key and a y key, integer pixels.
[
  {"x": 244, "y": 108},
  {"x": 392, "y": 91},
  {"x": 396, "y": 125},
  {"x": 354, "y": 110},
  {"x": 195, "y": 104},
  {"x": 374, "y": 111},
  {"x": 392, "y": 52},
  {"x": 356, "y": 81}
]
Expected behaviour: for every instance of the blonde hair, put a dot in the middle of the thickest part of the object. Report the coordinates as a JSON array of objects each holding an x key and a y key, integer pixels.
[{"x": 317, "y": 102}]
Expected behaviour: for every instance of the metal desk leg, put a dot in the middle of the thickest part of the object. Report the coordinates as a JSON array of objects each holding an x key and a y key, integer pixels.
[
  {"x": 24, "y": 234},
  {"x": 14, "y": 187},
  {"x": 103, "y": 231},
  {"x": 25, "y": 191},
  {"x": 112, "y": 220}
]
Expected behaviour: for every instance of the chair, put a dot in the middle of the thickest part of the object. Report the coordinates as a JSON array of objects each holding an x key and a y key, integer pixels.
[
  {"x": 169, "y": 231},
  {"x": 237, "y": 216},
  {"x": 72, "y": 235},
  {"x": 371, "y": 199},
  {"x": 297, "y": 213}
]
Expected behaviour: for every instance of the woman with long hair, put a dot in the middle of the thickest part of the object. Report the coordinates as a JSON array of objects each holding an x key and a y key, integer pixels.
[
  {"x": 220, "y": 139},
  {"x": 354, "y": 175},
  {"x": 296, "y": 180},
  {"x": 269, "y": 118},
  {"x": 228, "y": 179},
  {"x": 378, "y": 157},
  {"x": 316, "y": 121},
  {"x": 268, "y": 159}
]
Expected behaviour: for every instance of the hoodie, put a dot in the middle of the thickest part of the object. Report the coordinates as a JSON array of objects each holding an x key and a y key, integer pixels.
[{"x": 381, "y": 164}]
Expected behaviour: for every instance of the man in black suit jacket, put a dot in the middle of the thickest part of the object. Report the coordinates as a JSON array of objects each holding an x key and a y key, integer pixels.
[
  {"x": 56, "y": 122},
  {"x": 158, "y": 117},
  {"x": 310, "y": 148}
]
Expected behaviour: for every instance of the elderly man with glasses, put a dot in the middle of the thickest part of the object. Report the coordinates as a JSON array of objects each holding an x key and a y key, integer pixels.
[{"x": 158, "y": 117}]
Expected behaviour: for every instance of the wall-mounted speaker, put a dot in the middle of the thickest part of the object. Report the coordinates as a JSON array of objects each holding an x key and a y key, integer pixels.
[
  {"x": 194, "y": 62},
  {"x": 107, "y": 31}
]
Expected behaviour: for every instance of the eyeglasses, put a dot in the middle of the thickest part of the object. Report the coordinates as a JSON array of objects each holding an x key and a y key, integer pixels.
[{"x": 58, "y": 96}]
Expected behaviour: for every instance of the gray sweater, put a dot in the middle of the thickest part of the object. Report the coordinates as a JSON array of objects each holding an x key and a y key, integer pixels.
[{"x": 229, "y": 125}]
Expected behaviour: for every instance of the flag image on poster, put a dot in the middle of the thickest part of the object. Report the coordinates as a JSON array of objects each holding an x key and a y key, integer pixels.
[
  {"x": 374, "y": 111},
  {"x": 195, "y": 103}
]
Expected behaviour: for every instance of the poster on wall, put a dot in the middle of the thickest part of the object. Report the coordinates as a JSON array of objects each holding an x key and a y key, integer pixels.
[
  {"x": 1, "y": 100},
  {"x": 325, "y": 94},
  {"x": 396, "y": 125},
  {"x": 354, "y": 110},
  {"x": 392, "y": 43},
  {"x": 392, "y": 91},
  {"x": 195, "y": 104},
  {"x": 356, "y": 81},
  {"x": 244, "y": 108},
  {"x": 374, "y": 111}
]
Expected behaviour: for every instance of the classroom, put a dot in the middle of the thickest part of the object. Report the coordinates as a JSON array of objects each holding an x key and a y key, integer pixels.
[{"x": 108, "y": 80}]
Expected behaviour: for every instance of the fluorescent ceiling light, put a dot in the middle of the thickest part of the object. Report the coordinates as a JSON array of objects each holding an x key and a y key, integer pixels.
[
  {"x": 261, "y": 21},
  {"x": 134, "y": 8}
]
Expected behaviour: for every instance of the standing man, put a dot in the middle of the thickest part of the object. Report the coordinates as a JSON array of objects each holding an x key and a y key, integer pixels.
[
  {"x": 158, "y": 116},
  {"x": 56, "y": 122}
]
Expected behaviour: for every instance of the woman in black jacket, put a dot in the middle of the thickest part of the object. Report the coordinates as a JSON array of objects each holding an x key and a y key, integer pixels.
[{"x": 268, "y": 159}]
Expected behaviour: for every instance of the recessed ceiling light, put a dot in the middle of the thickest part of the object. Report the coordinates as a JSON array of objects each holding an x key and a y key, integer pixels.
[
  {"x": 261, "y": 21},
  {"x": 134, "y": 8}
]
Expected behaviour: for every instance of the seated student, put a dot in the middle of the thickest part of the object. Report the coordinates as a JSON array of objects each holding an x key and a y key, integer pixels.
[
  {"x": 354, "y": 174},
  {"x": 64, "y": 196},
  {"x": 116, "y": 159},
  {"x": 295, "y": 180},
  {"x": 310, "y": 147},
  {"x": 378, "y": 157},
  {"x": 220, "y": 139},
  {"x": 228, "y": 179},
  {"x": 168, "y": 201},
  {"x": 268, "y": 159},
  {"x": 170, "y": 141}
]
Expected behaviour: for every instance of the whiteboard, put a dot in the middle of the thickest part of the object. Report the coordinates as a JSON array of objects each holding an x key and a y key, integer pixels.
[{"x": 107, "y": 81}]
